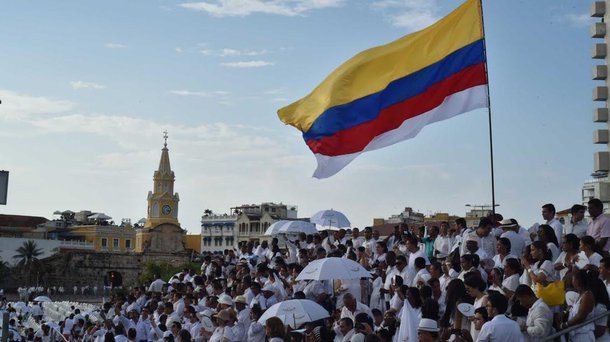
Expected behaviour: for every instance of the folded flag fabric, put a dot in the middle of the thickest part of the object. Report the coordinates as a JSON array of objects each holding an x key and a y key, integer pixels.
[{"x": 389, "y": 93}]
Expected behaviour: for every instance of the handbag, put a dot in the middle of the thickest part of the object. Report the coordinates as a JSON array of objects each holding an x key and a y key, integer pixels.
[{"x": 553, "y": 293}]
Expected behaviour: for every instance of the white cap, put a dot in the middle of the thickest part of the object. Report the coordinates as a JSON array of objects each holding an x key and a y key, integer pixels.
[{"x": 427, "y": 324}]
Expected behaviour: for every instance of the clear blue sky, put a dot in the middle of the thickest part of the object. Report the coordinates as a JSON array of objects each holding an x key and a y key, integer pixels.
[{"x": 88, "y": 87}]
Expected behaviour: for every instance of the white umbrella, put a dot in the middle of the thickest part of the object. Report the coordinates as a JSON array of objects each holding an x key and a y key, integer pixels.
[
  {"x": 273, "y": 229},
  {"x": 99, "y": 216},
  {"x": 42, "y": 299},
  {"x": 19, "y": 305},
  {"x": 295, "y": 312},
  {"x": 294, "y": 227},
  {"x": 333, "y": 268},
  {"x": 330, "y": 219}
]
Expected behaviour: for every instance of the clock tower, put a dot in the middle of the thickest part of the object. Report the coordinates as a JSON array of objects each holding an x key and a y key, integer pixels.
[{"x": 162, "y": 201}]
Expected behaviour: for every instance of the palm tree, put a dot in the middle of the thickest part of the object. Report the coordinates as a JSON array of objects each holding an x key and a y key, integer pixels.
[
  {"x": 4, "y": 270},
  {"x": 28, "y": 255}
]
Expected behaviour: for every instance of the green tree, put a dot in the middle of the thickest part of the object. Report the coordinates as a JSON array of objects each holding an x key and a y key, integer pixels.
[
  {"x": 163, "y": 269},
  {"x": 28, "y": 255},
  {"x": 5, "y": 270}
]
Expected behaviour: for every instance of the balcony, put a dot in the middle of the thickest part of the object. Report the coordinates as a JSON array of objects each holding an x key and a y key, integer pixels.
[
  {"x": 598, "y": 9},
  {"x": 598, "y": 30}
]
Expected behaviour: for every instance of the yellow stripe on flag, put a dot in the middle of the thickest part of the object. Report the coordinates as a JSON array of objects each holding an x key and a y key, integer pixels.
[{"x": 372, "y": 70}]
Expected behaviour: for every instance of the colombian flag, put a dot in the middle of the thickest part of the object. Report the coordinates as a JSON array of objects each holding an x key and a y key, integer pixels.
[{"x": 389, "y": 93}]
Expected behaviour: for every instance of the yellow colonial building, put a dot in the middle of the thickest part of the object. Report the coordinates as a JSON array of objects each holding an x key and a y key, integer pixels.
[{"x": 106, "y": 238}]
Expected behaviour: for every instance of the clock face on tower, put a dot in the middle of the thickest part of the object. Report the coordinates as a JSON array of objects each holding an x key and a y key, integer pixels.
[{"x": 166, "y": 209}]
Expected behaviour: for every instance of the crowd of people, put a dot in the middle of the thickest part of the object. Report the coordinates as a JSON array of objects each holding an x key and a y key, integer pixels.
[{"x": 498, "y": 281}]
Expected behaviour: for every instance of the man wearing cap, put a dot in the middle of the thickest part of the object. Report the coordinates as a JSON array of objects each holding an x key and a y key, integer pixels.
[
  {"x": 500, "y": 328},
  {"x": 517, "y": 242},
  {"x": 268, "y": 298},
  {"x": 224, "y": 302},
  {"x": 143, "y": 325},
  {"x": 243, "y": 316},
  {"x": 472, "y": 247},
  {"x": 427, "y": 331}
]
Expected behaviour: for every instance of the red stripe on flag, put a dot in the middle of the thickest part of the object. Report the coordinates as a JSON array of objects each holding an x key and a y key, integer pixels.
[{"x": 356, "y": 138}]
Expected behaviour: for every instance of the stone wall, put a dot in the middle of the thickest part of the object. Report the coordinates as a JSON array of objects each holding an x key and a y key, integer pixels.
[{"x": 88, "y": 268}]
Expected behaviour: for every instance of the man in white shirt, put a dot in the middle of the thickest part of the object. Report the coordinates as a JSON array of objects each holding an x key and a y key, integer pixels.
[
  {"x": 500, "y": 328},
  {"x": 604, "y": 272},
  {"x": 548, "y": 214},
  {"x": 517, "y": 242},
  {"x": 357, "y": 240},
  {"x": 539, "y": 317},
  {"x": 577, "y": 224},
  {"x": 344, "y": 330},
  {"x": 414, "y": 253},
  {"x": 511, "y": 276},
  {"x": 369, "y": 241},
  {"x": 443, "y": 242},
  {"x": 353, "y": 307},
  {"x": 486, "y": 241}
]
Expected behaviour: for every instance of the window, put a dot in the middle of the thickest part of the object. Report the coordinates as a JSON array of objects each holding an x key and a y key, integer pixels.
[
  {"x": 104, "y": 243},
  {"x": 115, "y": 243},
  {"x": 127, "y": 243}
]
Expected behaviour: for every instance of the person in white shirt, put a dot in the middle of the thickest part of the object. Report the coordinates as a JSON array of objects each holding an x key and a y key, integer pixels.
[
  {"x": 443, "y": 242},
  {"x": 569, "y": 255},
  {"x": 500, "y": 328},
  {"x": 541, "y": 270},
  {"x": 548, "y": 214},
  {"x": 353, "y": 307},
  {"x": 511, "y": 277},
  {"x": 504, "y": 251},
  {"x": 587, "y": 245},
  {"x": 577, "y": 224},
  {"x": 604, "y": 272},
  {"x": 422, "y": 275},
  {"x": 517, "y": 242},
  {"x": 485, "y": 240},
  {"x": 357, "y": 240},
  {"x": 539, "y": 320},
  {"x": 415, "y": 252}
]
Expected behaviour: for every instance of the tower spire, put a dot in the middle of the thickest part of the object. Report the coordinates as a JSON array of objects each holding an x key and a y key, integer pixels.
[{"x": 165, "y": 137}]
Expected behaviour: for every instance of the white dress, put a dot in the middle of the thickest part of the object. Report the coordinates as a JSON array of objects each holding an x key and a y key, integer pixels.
[
  {"x": 582, "y": 334},
  {"x": 409, "y": 321},
  {"x": 377, "y": 301},
  {"x": 600, "y": 309}
]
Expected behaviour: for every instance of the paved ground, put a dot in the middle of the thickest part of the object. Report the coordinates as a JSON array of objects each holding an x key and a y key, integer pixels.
[{"x": 14, "y": 297}]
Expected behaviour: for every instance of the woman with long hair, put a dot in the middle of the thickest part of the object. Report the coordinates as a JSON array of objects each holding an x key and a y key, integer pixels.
[
  {"x": 602, "y": 304},
  {"x": 583, "y": 309},
  {"x": 547, "y": 235},
  {"x": 541, "y": 270},
  {"x": 475, "y": 286},
  {"x": 569, "y": 251},
  {"x": 274, "y": 329},
  {"x": 452, "y": 318}
]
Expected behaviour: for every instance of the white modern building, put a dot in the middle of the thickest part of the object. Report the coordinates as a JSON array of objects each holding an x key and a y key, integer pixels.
[
  {"x": 599, "y": 185},
  {"x": 218, "y": 232}
]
